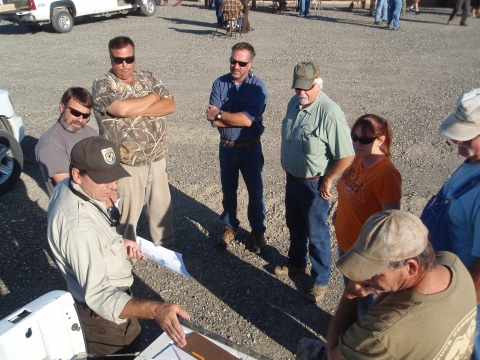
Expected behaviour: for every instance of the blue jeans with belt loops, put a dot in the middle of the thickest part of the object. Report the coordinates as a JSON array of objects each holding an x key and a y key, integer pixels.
[
  {"x": 306, "y": 215},
  {"x": 249, "y": 162}
]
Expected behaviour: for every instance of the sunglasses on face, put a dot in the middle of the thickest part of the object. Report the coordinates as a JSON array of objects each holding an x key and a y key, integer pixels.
[
  {"x": 362, "y": 140},
  {"x": 240, "y": 63},
  {"x": 77, "y": 113},
  {"x": 120, "y": 60}
]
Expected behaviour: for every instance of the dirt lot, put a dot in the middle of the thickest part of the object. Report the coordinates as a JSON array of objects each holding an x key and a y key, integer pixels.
[{"x": 411, "y": 76}]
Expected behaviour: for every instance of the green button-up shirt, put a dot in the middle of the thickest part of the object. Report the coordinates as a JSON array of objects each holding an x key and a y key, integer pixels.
[{"x": 314, "y": 138}]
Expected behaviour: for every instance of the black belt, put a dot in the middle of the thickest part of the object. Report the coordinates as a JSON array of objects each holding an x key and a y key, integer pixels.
[
  {"x": 314, "y": 178},
  {"x": 239, "y": 145}
]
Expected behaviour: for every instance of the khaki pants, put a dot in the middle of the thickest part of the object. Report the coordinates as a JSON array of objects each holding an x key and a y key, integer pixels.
[
  {"x": 147, "y": 187},
  {"x": 105, "y": 337}
]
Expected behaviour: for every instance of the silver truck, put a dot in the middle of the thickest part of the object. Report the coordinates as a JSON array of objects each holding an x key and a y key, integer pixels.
[{"x": 61, "y": 13}]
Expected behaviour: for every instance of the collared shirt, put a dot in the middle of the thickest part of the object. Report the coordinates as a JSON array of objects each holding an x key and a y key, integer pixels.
[
  {"x": 314, "y": 138},
  {"x": 250, "y": 97},
  {"x": 142, "y": 140},
  {"x": 89, "y": 253},
  {"x": 232, "y": 8}
]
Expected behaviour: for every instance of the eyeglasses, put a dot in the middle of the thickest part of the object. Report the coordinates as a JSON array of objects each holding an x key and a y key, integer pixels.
[
  {"x": 240, "y": 63},
  {"x": 120, "y": 60},
  {"x": 362, "y": 140},
  {"x": 77, "y": 113}
]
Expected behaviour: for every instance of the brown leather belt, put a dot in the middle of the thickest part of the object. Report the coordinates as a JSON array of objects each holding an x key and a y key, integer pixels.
[
  {"x": 239, "y": 145},
  {"x": 315, "y": 178}
]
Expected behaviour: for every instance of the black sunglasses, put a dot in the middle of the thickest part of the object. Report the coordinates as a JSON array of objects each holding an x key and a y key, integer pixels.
[
  {"x": 77, "y": 113},
  {"x": 362, "y": 140},
  {"x": 120, "y": 60},
  {"x": 240, "y": 63}
]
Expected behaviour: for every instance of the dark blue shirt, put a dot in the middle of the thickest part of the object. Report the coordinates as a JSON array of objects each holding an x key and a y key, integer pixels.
[{"x": 250, "y": 98}]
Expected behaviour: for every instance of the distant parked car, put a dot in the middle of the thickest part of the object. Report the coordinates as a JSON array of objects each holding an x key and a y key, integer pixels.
[
  {"x": 11, "y": 134},
  {"x": 61, "y": 14}
]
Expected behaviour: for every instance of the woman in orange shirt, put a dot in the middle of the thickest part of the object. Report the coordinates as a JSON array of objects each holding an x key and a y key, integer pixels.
[{"x": 369, "y": 185}]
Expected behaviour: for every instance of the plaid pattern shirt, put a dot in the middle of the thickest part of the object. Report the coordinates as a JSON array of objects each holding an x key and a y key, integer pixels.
[{"x": 232, "y": 9}]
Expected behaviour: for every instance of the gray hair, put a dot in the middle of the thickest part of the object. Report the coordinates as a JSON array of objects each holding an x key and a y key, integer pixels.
[
  {"x": 426, "y": 260},
  {"x": 319, "y": 82}
]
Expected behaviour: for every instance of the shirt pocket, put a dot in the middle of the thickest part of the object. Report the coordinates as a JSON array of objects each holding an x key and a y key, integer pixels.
[
  {"x": 117, "y": 255},
  {"x": 310, "y": 139}
]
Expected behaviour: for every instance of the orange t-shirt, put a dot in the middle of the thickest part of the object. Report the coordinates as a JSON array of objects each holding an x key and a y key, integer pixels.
[{"x": 360, "y": 194}]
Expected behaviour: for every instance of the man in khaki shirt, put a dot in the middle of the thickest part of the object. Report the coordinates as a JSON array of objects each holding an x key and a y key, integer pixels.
[{"x": 94, "y": 259}]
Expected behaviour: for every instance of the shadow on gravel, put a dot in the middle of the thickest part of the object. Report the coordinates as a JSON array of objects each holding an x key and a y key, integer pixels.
[{"x": 259, "y": 297}]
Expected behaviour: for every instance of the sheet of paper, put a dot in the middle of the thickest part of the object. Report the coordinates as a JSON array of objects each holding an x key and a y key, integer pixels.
[
  {"x": 171, "y": 352},
  {"x": 168, "y": 258}
]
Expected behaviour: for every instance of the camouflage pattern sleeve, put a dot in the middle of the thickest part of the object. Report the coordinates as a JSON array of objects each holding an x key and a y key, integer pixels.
[
  {"x": 104, "y": 93},
  {"x": 158, "y": 87}
]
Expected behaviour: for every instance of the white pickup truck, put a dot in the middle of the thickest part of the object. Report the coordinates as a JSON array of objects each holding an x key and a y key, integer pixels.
[{"x": 60, "y": 13}]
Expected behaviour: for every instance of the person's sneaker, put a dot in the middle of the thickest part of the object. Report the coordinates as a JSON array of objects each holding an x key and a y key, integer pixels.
[
  {"x": 417, "y": 12},
  {"x": 316, "y": 293},
  {"x": 286, "y": 270},
  {"x": 376, "y": 22},
  {"x": 300, "y": 15},
  {"x": 238, "y": 28},
  {"x": 410, "y": 8},
  {"x": 394, "y": 28},
  {"x": 227, "y": 237},
  {"x": 384, "y": 21},
  {"x": 258, "y": 240},
  {"x": 307, "y": 14},
  {"x": 463, "y": 24}
]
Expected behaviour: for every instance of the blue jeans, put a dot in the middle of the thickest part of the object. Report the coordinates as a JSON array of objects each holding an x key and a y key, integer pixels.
[
  {"x": 381, "y": 9},
  {"x": 218, "y": 12},
  {"x": 306, "y": 215},
  {"x": 249, "y": 161},
  {"x": 394, "y": 9},
  {"x": 363, "y": 303},
  {"x": 304, "y": 6}
]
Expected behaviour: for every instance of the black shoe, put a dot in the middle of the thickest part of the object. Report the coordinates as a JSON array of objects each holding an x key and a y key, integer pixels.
[
  {"x": 463, "y": 24},
  {"x": 376, "y": 22}
]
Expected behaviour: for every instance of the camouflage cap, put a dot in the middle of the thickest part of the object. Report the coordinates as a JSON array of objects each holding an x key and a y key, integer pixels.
[
  {"x": 304, "y": 75},
  {"x": 387, "y": 236},
  {"x": 100, "y": 159}
]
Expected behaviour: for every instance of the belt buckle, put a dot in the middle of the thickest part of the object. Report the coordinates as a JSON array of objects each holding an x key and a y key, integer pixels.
[{"x": 230, "y": 143}]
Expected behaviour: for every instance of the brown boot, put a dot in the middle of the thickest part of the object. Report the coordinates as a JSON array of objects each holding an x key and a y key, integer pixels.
[
  {"x": 286, "y": 270},
  {"x": 258, "y": 241},
  {"x": 227, "y": 237},
  {"x": 316, "y": 293}
]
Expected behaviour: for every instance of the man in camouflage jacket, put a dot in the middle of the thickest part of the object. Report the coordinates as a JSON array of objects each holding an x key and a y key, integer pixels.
[{"x": 130, "y": 107}]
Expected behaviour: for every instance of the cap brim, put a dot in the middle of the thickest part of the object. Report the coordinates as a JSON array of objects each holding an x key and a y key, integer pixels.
[
  {"x": 109, "y": 176},
  {"x": 358, "y": 268},
  {"x": 305, "y": 84},
  {"x": 456, "y": 130}
]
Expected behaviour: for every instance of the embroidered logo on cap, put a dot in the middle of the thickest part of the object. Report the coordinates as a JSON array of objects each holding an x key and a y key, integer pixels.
[{"x": 109, "y": 155}]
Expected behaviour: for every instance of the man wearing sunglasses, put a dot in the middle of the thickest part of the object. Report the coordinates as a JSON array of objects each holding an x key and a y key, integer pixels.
[
  {"x": 130, "y": 108},
  {"x": 237, "y": 102},
  {"x": 94, "y": 259},
  {"x": 316, "y": 148},
  {"x": 54, "y": 146}
]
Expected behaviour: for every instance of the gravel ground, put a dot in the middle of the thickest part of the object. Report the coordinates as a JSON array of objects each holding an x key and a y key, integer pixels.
[{"x": 411, "y": 76}]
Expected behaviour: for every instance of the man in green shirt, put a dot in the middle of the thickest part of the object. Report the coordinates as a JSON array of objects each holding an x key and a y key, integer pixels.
[
  {"x": 426, "y": 306},
  {"x": 316, "y": 148}
]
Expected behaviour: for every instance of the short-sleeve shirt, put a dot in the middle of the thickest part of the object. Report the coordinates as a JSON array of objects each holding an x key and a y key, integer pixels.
[
  {"x": 464, "y": 215},
  {"x": 53, "y": 151},
  {"x": 314, "y": 138},
  {"x": 141, "y": 140},
  {"x": 409, "y": 325},
  {"x": 89, "y": 253},
  {"x": 360, "y": 194},
  {"x": 250, "y": 98}
]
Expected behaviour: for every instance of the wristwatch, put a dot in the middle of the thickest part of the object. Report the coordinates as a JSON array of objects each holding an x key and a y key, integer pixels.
[{"x": 219, "y": 115}]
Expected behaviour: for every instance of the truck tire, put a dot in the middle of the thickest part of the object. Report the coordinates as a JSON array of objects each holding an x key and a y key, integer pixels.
[
  {"x": 150, "y": 8},
  {"x": 11, "y": 161},
  {"x": 62, "y": 21}
]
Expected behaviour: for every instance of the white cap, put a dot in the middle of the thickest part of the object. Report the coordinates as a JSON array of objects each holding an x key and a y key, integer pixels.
[{"x": 464, "y": 123}]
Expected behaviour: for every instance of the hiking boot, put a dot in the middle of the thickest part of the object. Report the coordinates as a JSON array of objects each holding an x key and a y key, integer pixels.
[
  {"x": 316, "y": 293},
  {"x": 258, "y": 241},
  {"x": 227, "y": 237},
  {"x": 287, "y": 269}
]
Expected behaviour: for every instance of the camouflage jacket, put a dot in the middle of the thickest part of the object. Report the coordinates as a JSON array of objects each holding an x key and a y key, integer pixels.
[{"x": 142, "y": 140}]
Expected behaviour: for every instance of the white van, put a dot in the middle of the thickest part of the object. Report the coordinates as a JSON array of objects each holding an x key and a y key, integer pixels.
[{"x": 60, "y": 13}]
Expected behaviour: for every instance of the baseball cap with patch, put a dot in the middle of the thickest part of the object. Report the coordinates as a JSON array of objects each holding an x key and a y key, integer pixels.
[
  {"x": 464, "y": 123},
  {"x": 100, "y": 158},
  {"x": 304, "y": 75},
  {"x": 387, "y": 236}
]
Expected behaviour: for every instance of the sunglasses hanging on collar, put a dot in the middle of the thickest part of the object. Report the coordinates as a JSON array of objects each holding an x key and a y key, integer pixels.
[{"x": 113, "y": 215}]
